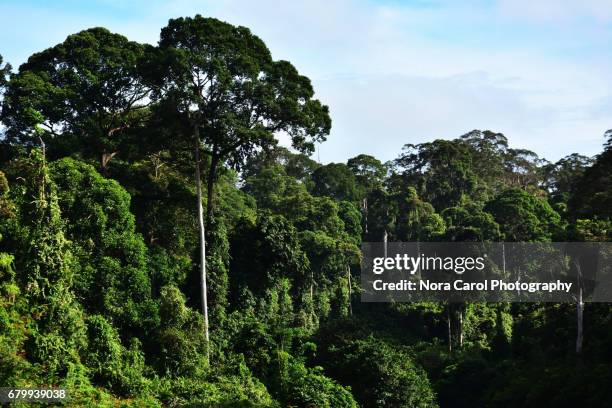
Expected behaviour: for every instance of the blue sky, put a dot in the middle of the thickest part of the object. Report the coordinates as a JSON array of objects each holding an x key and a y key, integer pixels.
[{"x": 396, "y": 72}]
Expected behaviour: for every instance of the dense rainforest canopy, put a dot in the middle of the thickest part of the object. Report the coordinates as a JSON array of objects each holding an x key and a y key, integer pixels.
[{"x": 101, "y": 262}]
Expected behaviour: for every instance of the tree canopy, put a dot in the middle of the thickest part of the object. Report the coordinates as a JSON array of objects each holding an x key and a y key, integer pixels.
[
  {"x": 109, "y": 264},
  {"x": 83, "y": 96}
]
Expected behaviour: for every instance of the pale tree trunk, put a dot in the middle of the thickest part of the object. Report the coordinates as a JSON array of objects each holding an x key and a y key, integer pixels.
[
  {"x": 313, "y": 312},
  {"x": 579, "y": 312},
  {"x": 504, "y": 258},
  {"x": 43, "y": 148},
  {"x": 385, "y": 242},
  {"x": 350, "y": 290},
  {"x": 210, "y": 190},
  {"x": 312, "y": 302},
  {"x": 202, "y": 231},
  {"x": 364, "y": 207},
  {"x": 579, "y": 317},
  {"x": 460, "y": 328},
  {"x": 418, "y": 254},
  {"x": 450, "y": 332},
  {"x": 312, "y": 287}
]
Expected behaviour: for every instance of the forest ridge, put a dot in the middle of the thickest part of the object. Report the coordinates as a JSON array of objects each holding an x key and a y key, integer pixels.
[{"x": 159, "y": 248}]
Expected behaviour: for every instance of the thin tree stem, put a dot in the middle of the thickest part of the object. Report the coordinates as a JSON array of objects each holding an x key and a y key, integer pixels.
[{"x": 202, "y": 231}]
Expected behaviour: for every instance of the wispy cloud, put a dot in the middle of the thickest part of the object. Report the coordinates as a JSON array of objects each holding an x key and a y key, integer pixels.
[
  {"x": 560, "y": 11},
  {"x": 395, "y": 72}
]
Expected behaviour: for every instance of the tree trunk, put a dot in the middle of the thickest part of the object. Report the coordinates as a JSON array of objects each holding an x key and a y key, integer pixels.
[
  {"x": 350, "y": 290},
  {"x": 364, "y": 207},
  {"x": 210, "y": 189},
  {"x": 450, "y": 333},
  {"x": 418, "y": 254},
  {"x": 579, "y": 318},
  {"x": 312, "y": 302},
  {"x": 460, "y": 326},
  {"x": 312, "y": 287},
  {"x": 385, "y": 243},
  {"x": 43, "y": 148},
  {"x": 202, "y": 232},
  {"x": 105, "y": 159},
  {"x": 579, "y": 311},
  {"x": 504, "y": 258}
]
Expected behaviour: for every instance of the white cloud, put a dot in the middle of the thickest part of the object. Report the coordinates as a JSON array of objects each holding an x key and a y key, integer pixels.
[
  {"x": 557, "y": 10},
  {"x": 392, "y": 74}
]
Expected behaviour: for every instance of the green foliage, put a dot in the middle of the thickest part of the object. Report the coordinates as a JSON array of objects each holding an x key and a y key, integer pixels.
[
  {"x": 562, "y": 178},
  {"x": 472, "y": 372},
  {"x": 99, "y": 277},
  {"x": 266, "y": 252},
  {"x": 470, "y": 223},
  {"x": 335, "y": 180},
  {"x": 276, "y": 191},
  {"x": 307, "y": 387},
  {"x": 379, "y": 374},
  {"x": 593, "y": 194},
  {"x": 369, "y": 172},
  {"x": 243, "y": 96},
  {"x": 111, "y": 365},
  {"x": 112, "y": 257},
  {"x": 217, "y": 259},
  {"x": 180, "y": 346},
  {"x": 417, "y": 220},
  {"x": 524, "y": 217},
  {"x": 590, "y": 230},
  {"x": 350, "y": 216},
  {"x": 245, "y": 79},
  {"x": 483, "y": 324},
  {"x": 80, "y": 96},
  {"x": 402, "y": 215},
  {"x": 13, "y": 331},
  {"x": 54, "y": 334},
  {"x": 442, "y": 171},
  {"x": 238, "y": 390},
  {"x": 500, "y": 166}
]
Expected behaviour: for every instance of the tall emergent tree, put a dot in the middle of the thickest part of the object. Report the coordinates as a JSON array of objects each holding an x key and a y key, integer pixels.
[
  {"x": 233, "y": 98},
  {"x": 83, "y": 95}
]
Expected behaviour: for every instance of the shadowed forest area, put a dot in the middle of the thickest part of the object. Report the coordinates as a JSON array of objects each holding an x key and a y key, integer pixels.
[{"x": 109, "y": 145}]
